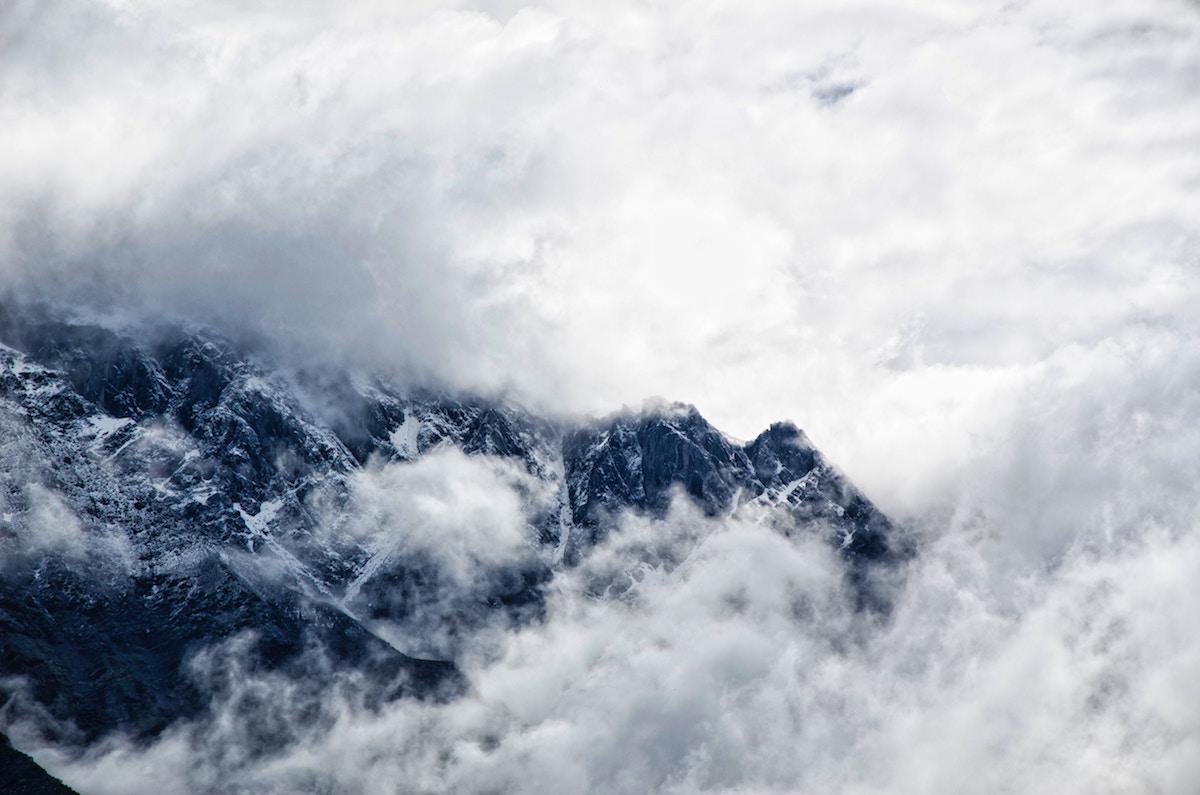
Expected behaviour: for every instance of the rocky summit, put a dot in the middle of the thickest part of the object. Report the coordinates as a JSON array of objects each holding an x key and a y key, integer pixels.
[{"x": 162, "y": 493}]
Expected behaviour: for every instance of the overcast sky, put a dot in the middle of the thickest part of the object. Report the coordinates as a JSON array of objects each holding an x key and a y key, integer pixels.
[
  {"x": 957, "y": 242},
  {"x": 888, "y": 221}
]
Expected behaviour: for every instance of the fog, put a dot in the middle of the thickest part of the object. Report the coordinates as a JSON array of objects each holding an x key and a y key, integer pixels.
[{"x": 957, "y": 243}]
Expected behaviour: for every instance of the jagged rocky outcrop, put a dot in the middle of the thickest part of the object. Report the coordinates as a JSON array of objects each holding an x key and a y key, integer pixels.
[
  {"x": 639, "y": 460},
  {"x": 157, "y": 495}
]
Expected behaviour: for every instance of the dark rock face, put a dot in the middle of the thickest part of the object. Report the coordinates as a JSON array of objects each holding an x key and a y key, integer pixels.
[
  {"x": 793, "y": 473},
  {"x": 20, "y": 775},
  {"x": 638, "y": 460},
  {"x": 157, "y": 499}
]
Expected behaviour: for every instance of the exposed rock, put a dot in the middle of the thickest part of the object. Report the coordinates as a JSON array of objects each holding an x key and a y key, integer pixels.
[{"x": 157, "y": 499}]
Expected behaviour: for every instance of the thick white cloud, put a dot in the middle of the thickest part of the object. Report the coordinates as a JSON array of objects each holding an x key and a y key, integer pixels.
[
  {"x": 465, "y": 513},
  {"x": 957, "y": 242},
  {"x": 462, "y": 524},
  {"x": 590, "y": 206},
  {"x": 726, "y": 660}
]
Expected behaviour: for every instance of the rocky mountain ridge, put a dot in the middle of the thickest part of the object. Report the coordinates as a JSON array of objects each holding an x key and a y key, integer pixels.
[{"x": 157, "y": 499}]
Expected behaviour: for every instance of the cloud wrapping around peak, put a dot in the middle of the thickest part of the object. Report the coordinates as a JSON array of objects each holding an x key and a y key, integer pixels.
[
  {"x": 587, "y": 208},
  {"x": 956, "y": 243}
]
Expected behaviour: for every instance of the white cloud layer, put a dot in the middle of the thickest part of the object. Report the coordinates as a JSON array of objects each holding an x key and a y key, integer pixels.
[
  {"x": 589, "y": 206},
  {"x": 737, "y": 667},
  {"x": 957, "y": 242}
]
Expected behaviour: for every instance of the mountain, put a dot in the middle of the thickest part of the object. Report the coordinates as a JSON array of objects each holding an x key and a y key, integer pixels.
[
  {"x": 20, "y": 775},
  {"x": 162, "y": 493}
]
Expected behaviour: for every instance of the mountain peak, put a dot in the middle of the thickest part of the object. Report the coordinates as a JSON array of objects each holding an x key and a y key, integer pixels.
[{"x": 201, "y": 466}]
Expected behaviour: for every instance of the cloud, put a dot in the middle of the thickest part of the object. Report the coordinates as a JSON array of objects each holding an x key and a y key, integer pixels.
[
  {"x": 466, "y": 513},
  {"x": 729, "y": 660},
  {"x": 972, "y": 279},
  {"x": 588, "y": 209},
  {"x": 47, "y": 525},
  {"x": 38, "y": 526},
  {"x": 444, "y": 535}
]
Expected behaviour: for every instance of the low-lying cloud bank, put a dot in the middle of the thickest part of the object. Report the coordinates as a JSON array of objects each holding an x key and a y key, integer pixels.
[{"x": 724, "y": 658}]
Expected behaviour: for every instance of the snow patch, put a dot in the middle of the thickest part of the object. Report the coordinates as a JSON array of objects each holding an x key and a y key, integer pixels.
[
  {"x": 404, "y": 437},
  {"x": 259, "y": 522},
  {"x": 102, "y": 426}
]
